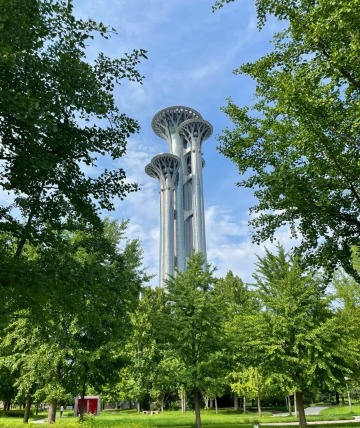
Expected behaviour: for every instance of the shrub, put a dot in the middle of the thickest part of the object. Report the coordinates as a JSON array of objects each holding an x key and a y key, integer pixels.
[{"x": 18, "y": 413}]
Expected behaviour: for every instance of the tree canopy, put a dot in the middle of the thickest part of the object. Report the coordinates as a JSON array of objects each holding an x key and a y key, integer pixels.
[
  {"x": 295, "y": 341},
  {"x": 67, "y": 285},
  {"x": 298, "y": 145},
  {"x": 68, "y": 340},
  {"x": 58, "y": 119},
  {"x": 194, "y": 326}
]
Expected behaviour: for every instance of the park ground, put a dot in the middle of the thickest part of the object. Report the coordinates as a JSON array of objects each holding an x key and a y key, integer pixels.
[{"x": 338, "y": 416}]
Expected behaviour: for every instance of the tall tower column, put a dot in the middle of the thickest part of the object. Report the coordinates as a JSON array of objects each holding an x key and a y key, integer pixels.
[
  {"x": 182, "y": 215},
  {"x": 194, "y": 132},
  {"x": 166, "y": 124},
  {"x": 165, "y": 168}
]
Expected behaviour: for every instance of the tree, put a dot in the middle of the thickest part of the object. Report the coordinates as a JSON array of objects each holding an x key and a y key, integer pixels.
[
  {"x": 141, "y": 349},
  {"x": 8, "y": 389},
  {"x": 194, "y": 325},
  {"x": 235, "y": 294},
  {"x": 297, "y": 338},
  {"x": 239, "y": 306},
  {"x": 69, "y": 341},
  {"x": 298, "y": 145},
  {"x": 249, "y": 382},
  {"x": 348, "y": 312},
  {"x": 57, "y": 116},
  {"x": 165, "y": 378}
]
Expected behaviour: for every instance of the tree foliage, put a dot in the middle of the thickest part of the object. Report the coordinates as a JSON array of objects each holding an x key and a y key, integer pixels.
[
  {"x": 297, "y": 337},
  {"x": 298, "y": 145},
  {"x": 348, "y": 309},
  {"x": 58, "y": 119},
  {"x": 194, "y": 326},
  {"x": 142, "y": 350},
  {"x": 68, "y": 340}
]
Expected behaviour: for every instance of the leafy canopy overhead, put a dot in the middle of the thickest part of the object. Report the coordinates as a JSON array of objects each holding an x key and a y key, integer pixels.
[
  {"x": 65, "y": 333},
  {"x": 298, "y": 145},
  {"x": 58, "y": 117}
]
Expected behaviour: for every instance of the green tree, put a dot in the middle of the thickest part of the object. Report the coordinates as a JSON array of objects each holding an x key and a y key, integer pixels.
[
  {"x": 194, "y": 325},
  {"x": 235, "y": 294},
  {"x": 141, "y": 347},
  {"x": 69, "y": 341},
  {"x": 58, "y": 115},
  {"x": 298, "y": 145},
  {"x": 165, "y": 378},
  {"x": 348, "y": 312},
  {"x": 8, "y": 388},
  {"x": 296, "y": 337},
  {"x": 151, "y": 369},
  {"x": 249, "y": 382},
  {"x": 239, "y": 306},
  {"x": 215, "y": 383}
]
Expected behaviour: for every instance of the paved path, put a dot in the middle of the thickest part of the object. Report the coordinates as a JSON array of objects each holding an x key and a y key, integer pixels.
[{"x": 315, "y": 410}]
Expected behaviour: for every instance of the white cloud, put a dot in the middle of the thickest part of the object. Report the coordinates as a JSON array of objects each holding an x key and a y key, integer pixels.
[{"x": 229, "y": 244}]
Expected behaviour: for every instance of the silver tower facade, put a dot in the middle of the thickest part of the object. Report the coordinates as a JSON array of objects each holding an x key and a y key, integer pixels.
[{"x": 182, "y": 220}]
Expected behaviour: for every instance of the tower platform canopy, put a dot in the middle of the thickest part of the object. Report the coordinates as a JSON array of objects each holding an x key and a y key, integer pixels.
[
  {"x": 163, "y": 165},
  {"x": 168, "y": 120},
  {"x": 195, "y": 128}
]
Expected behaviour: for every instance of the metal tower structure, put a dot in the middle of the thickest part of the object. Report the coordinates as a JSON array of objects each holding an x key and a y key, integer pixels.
[{"x": 182, "y": 220}]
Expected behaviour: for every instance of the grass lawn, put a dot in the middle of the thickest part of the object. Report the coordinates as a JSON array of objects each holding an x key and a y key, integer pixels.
[
  {"x": 225, "y": 419},
  {"x": 341, "y": 411}
]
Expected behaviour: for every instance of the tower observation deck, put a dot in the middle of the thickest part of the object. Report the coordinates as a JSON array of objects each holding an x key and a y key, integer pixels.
[{"x": 182, "y": 220}]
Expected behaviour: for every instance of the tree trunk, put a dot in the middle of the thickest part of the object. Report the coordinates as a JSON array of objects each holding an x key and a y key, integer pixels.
[
  {"x": 288, "y": 398},
  {"x": 236, "y": 402},
  {"x": 259, "y": 405},
  {"x": 300, "y": 409},
  {"x": 82, "y": 404},
  {"x": 183, "y": 400},
  {"x": 197, "y": 407},
  {"x": 337, "y": 398},
  {"x": 206, "y": 401},
  {"x": 162, "y": 404},
  {"x": 138, "y": 406},
  {"x": 211, "y": 403},
  {"x": 244, "y": 404},
  {"x": 27, "y": 409},
  {"x": 22, "y": 242},
  {"x": 52, "y": 411},
  {"x": 295, "y": 406},
  {"x": 216, "y": 405}
]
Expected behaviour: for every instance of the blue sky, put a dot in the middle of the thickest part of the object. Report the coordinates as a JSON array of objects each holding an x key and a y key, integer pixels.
[{"x": 192, "y": 53}]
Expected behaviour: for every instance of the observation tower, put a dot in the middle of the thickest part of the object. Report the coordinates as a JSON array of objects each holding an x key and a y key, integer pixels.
[{"x": 182, "y": 219}]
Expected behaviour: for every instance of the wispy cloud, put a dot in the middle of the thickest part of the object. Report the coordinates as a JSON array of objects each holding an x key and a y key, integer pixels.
[{"x": 230, "y": 246}]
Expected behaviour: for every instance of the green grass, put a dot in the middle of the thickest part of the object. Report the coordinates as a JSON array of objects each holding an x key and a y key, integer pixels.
[
  {"x": 341, "y": 411},
  {"x": 225, "y": 419}
]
